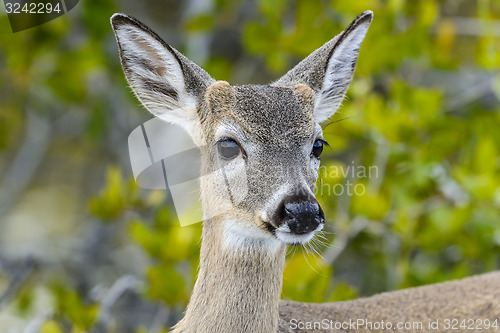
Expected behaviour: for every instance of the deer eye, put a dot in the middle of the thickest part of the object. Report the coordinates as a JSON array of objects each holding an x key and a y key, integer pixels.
[
  {"x": 228, "y": 149},
  {"x": 317, "y": 148}
]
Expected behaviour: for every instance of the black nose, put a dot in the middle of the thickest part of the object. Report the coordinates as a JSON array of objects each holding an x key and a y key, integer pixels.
[{"x": 303, "y": 217}]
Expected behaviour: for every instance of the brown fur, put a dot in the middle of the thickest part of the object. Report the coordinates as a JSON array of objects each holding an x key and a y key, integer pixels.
[
  {"x": 474, "y": 298},
  {"x": 305, "y": 95},
  {"x": 220, "y": 97},
  {"x": 233, "y": 292}
]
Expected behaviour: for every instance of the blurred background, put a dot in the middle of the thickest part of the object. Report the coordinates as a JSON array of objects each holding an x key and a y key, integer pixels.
[{"x": 83, "y": 249}]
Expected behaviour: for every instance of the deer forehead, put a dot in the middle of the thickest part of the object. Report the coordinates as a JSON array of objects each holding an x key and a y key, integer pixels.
[{"x": 266, "y": 114}]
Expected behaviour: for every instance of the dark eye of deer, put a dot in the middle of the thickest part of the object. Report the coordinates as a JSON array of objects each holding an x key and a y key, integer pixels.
[
  {"x": 228, "y": 149},
  {"x": 317, "y": 148}
]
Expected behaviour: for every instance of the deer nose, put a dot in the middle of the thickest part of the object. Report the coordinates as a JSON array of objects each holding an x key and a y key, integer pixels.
[{"x": 303, "y": 217}]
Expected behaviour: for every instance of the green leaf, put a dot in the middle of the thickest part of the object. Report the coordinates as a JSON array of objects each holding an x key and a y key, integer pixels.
[{"x": 200, "y": 23}]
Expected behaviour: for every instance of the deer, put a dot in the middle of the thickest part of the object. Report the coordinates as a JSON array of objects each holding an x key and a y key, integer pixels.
[{"x": 268, "y": 139}]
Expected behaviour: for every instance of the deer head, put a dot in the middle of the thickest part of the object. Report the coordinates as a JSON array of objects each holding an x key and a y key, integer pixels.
[{"x": 260, "y": 144}]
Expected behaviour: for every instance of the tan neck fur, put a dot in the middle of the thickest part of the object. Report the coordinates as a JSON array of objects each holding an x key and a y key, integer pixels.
[{"x": 237, "y": 290}]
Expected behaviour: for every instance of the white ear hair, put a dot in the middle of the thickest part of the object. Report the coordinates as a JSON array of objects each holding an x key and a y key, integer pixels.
[
  {"x": 339, "y": 71},
  {"x": 163, "y": 80},
  {"x": 329, "y": 69}
]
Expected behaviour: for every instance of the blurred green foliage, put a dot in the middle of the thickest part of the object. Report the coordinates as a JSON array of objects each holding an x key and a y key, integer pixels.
[
  {"x": 431, "y": 213},
  {"x": 115, "y": 197}
]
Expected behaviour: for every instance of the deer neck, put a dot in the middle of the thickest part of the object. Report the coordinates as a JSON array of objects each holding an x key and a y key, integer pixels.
[{"x": 239, "y": 283}]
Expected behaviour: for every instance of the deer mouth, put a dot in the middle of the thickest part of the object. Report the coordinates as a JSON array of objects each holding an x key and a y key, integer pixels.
[
  {"x": 287, "y": 236},
  {"x": 284, "y": 234}
]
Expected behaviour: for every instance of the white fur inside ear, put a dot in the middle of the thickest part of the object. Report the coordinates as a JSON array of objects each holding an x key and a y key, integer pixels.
[
  {"x": 155, "y": 76},
  {"x": 339, "y": 73}
]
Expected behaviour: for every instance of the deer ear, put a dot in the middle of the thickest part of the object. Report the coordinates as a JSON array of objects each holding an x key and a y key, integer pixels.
[
  {"x": 165, "y": 82},
  {"x": 329, "y": 69}
]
